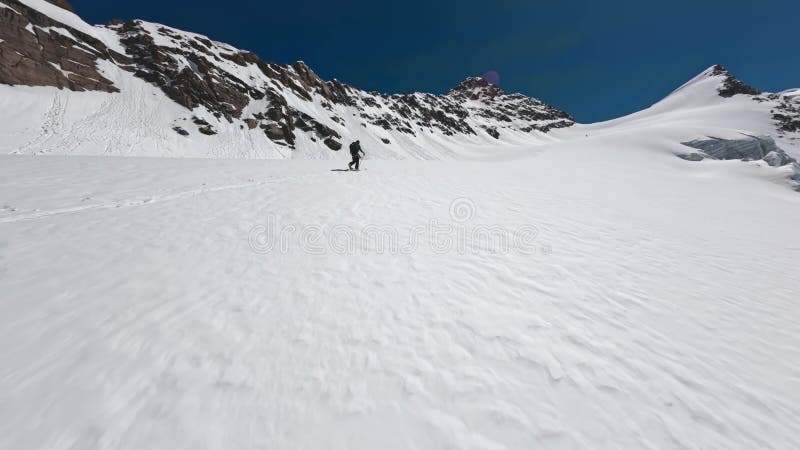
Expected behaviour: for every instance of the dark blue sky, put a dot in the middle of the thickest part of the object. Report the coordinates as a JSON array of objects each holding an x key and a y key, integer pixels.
[{"x": 595, "y": 59}]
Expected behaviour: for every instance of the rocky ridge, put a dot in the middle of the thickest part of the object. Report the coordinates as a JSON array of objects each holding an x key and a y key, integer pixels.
[{"x": 235, "y": 85}]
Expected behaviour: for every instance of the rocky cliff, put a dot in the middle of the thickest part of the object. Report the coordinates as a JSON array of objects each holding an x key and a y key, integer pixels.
[{"x": 38, "y": 50}]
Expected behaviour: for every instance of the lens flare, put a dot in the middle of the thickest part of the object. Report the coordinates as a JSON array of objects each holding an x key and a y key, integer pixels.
[{"x": 492, "y": 77}]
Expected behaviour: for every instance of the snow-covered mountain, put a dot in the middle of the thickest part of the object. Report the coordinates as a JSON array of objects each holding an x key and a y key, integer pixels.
[
  {"x": 140, "y": 88},
  {"x": 150, "y": 89},
  {"x": 719, "y": 115}
]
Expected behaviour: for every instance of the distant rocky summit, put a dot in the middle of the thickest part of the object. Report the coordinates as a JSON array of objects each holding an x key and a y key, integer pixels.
[{"x": 730, "y": 85}]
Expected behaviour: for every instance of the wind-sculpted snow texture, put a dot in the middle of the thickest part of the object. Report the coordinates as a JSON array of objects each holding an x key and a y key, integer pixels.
[{"x": 142, "y": 307}]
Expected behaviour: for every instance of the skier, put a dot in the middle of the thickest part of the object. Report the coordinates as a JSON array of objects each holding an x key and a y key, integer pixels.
[{"x": 355, "y": 149}]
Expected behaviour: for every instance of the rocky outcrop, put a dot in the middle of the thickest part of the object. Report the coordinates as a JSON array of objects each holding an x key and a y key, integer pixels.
[
  {"x": 787, "y": 113},
  {"x": 732, "y": 86},
  {"x": 332, "y": 144},
  {"x": 62, "y": 4},
  {"x": 194, "y": 72},
  {"x": 204, "y": 127},
  {"x": 184, "y": 71},
  {"x": 38, "y": 51}
]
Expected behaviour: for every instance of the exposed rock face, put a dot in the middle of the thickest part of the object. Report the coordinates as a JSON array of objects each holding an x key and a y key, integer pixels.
[
  {"x": 194, "y": 71},
  {"x": 732, "y": 86},
  {"x": 749, "y": 148},
  {"x": 184, "y": 71},
  {"x": 62, "y": 4},
  {"x": 492, "y": 131},
  {"x": 333, "y": 144},
  {"x": 204, "y": 127},
  {"x": 38, "y": 51},
  {"x": 787, "y": 113}
]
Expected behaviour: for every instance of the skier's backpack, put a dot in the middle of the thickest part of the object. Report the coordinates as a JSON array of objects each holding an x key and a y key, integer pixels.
[{"x": 354, "y": 148}]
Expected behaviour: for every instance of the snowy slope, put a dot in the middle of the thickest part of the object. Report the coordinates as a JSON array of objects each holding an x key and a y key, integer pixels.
[
  {"x": 696, "y": 110},
  {"x": 143, "y": 307}
]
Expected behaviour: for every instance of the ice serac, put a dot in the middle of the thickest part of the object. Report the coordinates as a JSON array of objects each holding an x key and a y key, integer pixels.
[
  {"x": 746, "y": 148},
  {"x": 36, "y": 50}
]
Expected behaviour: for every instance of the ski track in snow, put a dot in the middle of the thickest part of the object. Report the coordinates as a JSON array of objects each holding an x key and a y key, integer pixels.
[
  {"x": 52, "y": 123},
  {"x": 631, "y": 326},
  {"x": 134, "y": 202}
]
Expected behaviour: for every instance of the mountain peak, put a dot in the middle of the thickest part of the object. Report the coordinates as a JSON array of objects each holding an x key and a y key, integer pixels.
[
  {"x": 730, "y": 85},
  {"x": 717, "y": 70},
  {"x": 476, "y": 88}
]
